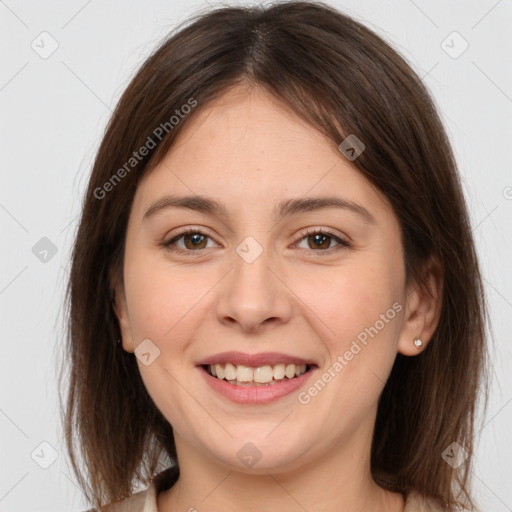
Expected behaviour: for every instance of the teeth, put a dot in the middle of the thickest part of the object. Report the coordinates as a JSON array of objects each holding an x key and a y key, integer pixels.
[
  {"x": 279, "y": 371},
  {"x": 262, "y": 375},
  {"x": 244, "y": 373},
  {"x": 229, "y": 372},
  {"x": 290, "y": 371}
]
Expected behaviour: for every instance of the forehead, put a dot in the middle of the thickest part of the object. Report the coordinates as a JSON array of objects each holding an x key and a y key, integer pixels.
[
  {"x": 244, "y": 120},
  {"x": 251, "y": 147}
]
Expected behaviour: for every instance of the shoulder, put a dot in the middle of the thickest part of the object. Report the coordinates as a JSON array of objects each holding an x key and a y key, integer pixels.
[
  {"x": 417, "y": 503},
  {"x": 142, "y": 501}
]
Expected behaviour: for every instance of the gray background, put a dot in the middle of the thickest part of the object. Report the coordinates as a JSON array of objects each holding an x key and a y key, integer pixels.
[{"x": 53, "y": 112}]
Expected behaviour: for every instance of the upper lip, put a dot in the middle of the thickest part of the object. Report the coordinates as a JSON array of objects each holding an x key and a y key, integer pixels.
[{"x": 254, "y": 360}]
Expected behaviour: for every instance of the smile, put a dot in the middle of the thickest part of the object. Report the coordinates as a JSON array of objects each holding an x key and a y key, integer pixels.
[{"x": 265, "y": 375}]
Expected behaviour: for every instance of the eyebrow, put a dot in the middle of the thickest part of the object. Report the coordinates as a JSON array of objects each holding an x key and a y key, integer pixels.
[{"x": 288, "y": 207}]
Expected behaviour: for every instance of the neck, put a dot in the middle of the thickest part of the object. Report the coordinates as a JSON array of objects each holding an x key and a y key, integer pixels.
[{"x": 337, "y": 481}]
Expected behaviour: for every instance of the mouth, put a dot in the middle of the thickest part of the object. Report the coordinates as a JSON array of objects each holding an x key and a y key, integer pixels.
[
  {"x": 260, "y": 376},
  {"x": 255, "y": 379}
]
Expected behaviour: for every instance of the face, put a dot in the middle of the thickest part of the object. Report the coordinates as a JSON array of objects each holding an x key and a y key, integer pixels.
[{"x": 266, "y": 281}]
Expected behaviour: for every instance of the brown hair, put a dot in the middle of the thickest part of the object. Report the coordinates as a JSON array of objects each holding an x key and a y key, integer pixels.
[{"x": 343, "y": 79}]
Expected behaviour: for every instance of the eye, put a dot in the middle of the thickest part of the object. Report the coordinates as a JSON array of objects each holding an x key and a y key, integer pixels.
[
  {"x": 320, "y": 241},
  {"x": 194, "y": 240}
]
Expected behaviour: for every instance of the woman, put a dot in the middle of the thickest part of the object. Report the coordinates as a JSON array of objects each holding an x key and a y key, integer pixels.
[{"x": 274, "y": 287}]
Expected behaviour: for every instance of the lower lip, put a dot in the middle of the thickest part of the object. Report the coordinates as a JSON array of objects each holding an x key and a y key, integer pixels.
[{"x": 255, "y": 394}]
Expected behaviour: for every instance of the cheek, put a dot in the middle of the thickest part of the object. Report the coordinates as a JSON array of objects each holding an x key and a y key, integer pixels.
[
  {"x": 167, "y": 306},
  {"x": 164, "y": 299},
  {"x": 363, "y": 315},
  {"x": 346, "y": 300},
  {"x": 358, "y": 308}
]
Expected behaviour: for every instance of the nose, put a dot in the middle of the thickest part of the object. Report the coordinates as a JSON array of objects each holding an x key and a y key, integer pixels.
[{"x": 254, "y": 295}]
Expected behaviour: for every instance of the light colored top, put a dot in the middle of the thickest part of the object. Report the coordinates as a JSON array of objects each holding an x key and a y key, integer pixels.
[{"x": 145, "y": 501}]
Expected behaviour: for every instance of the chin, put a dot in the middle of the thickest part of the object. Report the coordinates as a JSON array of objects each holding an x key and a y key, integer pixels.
[{"x": 258, "y": 454}]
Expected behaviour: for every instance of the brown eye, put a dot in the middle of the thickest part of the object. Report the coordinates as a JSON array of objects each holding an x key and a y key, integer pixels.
[
  {"x": 320, "y": 241},
  {"x": 193, "y": 241}
]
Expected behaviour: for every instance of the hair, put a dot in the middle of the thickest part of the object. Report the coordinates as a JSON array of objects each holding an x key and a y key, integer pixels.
[{"x": 341, "y": 78}]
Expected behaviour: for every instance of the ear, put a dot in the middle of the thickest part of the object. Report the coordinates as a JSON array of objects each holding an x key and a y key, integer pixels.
[
  {"x": 121, "y": 311},
  {"x": 422, "y": 309}
]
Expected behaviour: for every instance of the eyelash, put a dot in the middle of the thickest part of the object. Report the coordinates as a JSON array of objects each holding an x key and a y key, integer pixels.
[{"x": 343, "y": 244}]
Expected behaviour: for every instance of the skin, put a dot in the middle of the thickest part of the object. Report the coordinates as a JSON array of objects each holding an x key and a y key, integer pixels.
[{"x": 250, "y": 152}]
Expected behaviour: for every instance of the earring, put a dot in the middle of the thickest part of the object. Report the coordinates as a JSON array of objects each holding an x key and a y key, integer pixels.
[{"x": 418, "y": 342}]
